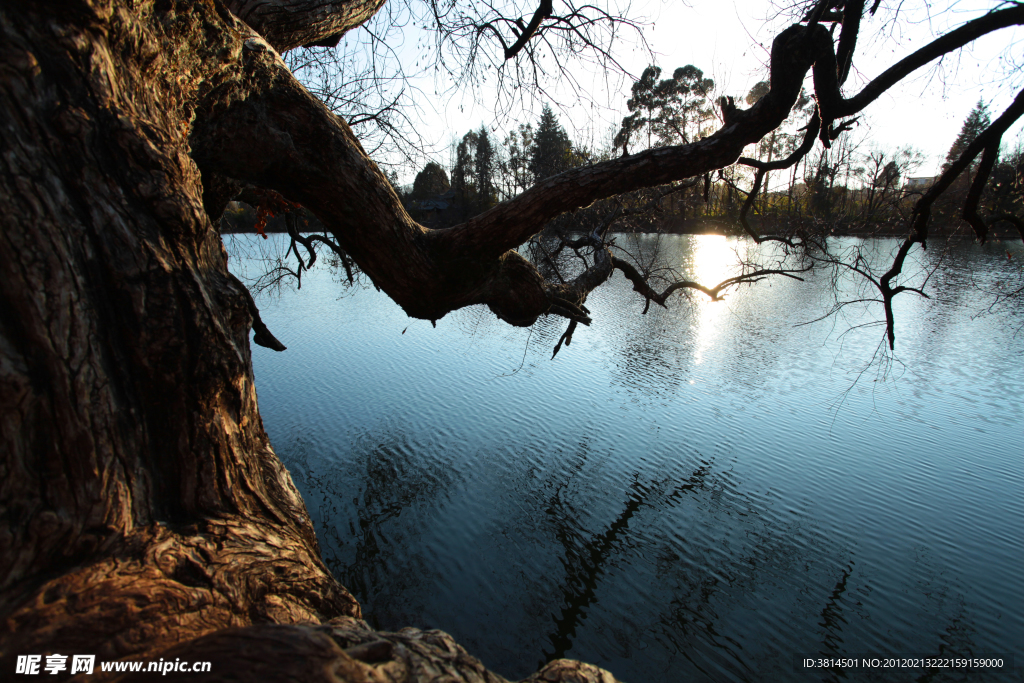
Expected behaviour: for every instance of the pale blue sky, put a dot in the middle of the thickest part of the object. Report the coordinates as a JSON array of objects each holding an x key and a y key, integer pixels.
[{"x": 728, "y": 39}]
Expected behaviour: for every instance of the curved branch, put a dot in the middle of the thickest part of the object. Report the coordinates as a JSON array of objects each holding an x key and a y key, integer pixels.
[
  {"x": 287, "y": 24},
  {"x": 970, "y": 210},
  {"x": 543, "y": 12},
  {"x": 312, "y": 157},
  {"x": 513, "y": 222},
  {"x": 810, "y": 135},
  {"x": 642, "y": 287},
  {"x": 834, "y": 106},
  {"x": 991, "y": 136},
  {"x": 852, "y": 13}
]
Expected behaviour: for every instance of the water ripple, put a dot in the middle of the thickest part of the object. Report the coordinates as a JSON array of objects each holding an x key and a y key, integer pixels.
[{"x": 697, "y": 494}]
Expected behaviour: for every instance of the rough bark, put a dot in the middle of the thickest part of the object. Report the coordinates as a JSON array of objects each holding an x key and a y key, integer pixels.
[{"x": 287, "y": 24}]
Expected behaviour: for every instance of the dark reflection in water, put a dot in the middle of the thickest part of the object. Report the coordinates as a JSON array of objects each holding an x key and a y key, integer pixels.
[
  {"x": 378, "y": 506},
  {"x": 676, "y": 496},
  {"x": 584, "y": 567}
]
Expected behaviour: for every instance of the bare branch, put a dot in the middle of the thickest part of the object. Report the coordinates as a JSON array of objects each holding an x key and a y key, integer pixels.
[
  {"x": 642, "y": 287},
  {"x": 542, "y": 13}
]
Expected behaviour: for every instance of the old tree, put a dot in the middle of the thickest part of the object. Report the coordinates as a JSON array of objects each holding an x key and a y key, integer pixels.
[{"x": 143, "y": 511}]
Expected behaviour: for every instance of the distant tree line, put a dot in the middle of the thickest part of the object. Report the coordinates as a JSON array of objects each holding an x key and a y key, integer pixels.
[{"x": 850, "y": 187}]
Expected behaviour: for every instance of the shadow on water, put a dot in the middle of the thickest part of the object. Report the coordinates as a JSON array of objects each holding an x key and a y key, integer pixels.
[
  {"x": 585, "y": 559},
  {"x": 636, "y": 587},
  {"x": 370, "y": 515},
  {"x": 668, "y": 572}
]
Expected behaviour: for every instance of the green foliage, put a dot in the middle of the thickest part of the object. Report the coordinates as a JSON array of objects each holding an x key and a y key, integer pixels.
[
  {"x": 977, "y": 121},
  {"x": 464, "y": 174},
  {"x": 850, "y": 190},
  {"x": 759, "y": 90},
  {"x": 431, "y": 181},
  {"x": 515, "y": 164},
  {"x": 669, "y": 111},
  {"x": 551, "y": 151},
  {"x": 473, "y": 174},
  {"x": 484, "y": 162}
]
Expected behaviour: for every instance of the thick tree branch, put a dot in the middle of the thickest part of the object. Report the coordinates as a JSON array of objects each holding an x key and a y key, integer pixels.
[
  {"x": 312, "y": 158},
  {"x": 511, "y": 223},
  {"x": 831, "y": 102},
  {"x": 852, "y": 13},
  {"x": 287, "y": 24},
  {"x": 543, "y": 12}
]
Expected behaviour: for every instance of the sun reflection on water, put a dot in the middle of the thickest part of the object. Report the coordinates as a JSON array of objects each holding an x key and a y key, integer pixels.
[{"x": 714, "y": 259}]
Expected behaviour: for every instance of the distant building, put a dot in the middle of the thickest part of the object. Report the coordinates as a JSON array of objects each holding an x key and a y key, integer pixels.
[
  {"x": 919, "y": 184},
  {"x": 436, "y": 206},
  {"x": 438, "y": 202}
]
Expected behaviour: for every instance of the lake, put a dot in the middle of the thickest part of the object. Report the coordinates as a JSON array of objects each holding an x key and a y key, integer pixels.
[{"x": 704, "y": 493}]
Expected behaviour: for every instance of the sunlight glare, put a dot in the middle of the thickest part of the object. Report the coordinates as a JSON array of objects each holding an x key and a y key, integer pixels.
[{"x": 713, "y": 260}]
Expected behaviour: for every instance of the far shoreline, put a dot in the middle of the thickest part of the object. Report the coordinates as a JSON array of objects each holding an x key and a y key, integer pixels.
[{"x": 240, "y": 218}]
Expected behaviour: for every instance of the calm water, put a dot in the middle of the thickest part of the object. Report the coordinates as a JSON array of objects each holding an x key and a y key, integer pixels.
[{"x": 698, "y": 494}]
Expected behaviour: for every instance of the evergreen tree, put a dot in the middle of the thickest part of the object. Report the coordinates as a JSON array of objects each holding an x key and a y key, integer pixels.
[
  {"x": 432, "y": 180},
  {"x": 484, "y": 161},
  {"x": 464, "y": 174},
  {"x": 515, "y": 166},
  {"x": 551, "y": 152},
  {"x": 977, "y": 121}
]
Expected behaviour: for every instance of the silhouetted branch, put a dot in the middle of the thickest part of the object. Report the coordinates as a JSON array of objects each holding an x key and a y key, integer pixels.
[
  {"x": 642, "y": 287},
  {"x": 990, "y": 137},
  {"x": 543, "y": 12}
]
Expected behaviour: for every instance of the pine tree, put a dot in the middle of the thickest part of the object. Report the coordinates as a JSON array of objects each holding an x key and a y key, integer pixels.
[
  {"x": 464, "y": 174},
  {"x": 484, "y": 159},
  {"x": 977, "y": 121},
  {"x": 552, "y": 150}
]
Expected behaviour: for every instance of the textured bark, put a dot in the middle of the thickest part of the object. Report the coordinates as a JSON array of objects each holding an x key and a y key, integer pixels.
[{"x": 287, "y": 24}]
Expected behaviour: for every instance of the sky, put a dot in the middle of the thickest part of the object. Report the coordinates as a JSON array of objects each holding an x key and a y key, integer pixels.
[{"x": 729, "y": 41}]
